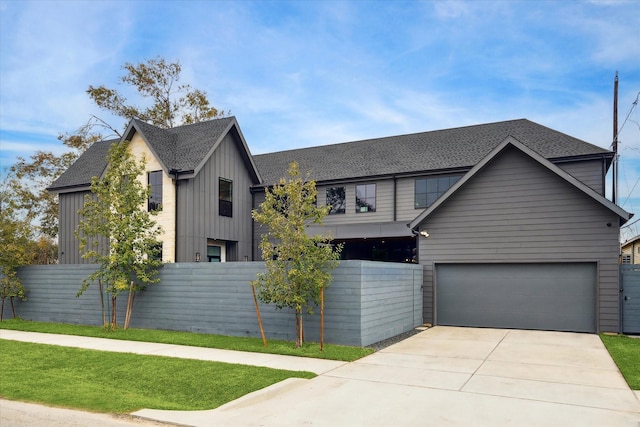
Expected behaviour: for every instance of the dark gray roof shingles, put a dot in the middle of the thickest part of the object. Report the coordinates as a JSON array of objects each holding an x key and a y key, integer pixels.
[
  {"x": 461, "y": 147},
  {"x": 181, "y": 148}
]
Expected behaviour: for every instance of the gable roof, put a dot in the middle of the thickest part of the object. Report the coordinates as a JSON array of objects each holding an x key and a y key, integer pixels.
[
  {"x": 91, "y": 163},
  {"x": 184, "y": 149},
  {"x": 457, "y": 148},
  {"x": 512, "y": 142}
]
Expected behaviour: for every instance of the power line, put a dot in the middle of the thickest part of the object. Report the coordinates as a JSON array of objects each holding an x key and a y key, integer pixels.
[{"x": 633, "y": 105}]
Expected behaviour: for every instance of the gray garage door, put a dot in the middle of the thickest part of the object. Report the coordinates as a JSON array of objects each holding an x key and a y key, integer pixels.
[{"x": 550, "y": 296}]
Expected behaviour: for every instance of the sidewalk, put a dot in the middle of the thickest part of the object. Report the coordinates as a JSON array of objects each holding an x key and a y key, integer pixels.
[{"x": 292, "y": 363}]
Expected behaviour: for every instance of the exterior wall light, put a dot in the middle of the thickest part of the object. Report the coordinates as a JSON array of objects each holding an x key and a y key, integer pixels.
[
  {"x": 197, "y": 256},
  {"x": 424, "y": 233}
]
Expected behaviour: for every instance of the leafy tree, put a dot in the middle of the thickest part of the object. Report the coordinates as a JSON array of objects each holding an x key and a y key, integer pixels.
[
  {"x": 172, "y": 104},
  {"x": 15, "y": 233},
  {"x": 298, "y": 265},
  {"x": 115, "y": 212}
]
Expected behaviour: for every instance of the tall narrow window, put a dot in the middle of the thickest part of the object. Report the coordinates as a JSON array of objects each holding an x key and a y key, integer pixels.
[
  {"x": 366, "y": 198},
  {"x": 155, "y": 183},
  {"x": 336, "y": 200},
  {"x": 225, "y": 198}
]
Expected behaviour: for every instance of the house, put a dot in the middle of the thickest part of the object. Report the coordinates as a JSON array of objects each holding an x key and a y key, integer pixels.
[
  {"x": 630, "y": 251},
  {"x": 504, "y": 203},
  {"x": 199, "y": 174}
]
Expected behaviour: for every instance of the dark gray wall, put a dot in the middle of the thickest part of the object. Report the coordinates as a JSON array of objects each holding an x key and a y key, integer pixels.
[
  {"x": 515, "y": 210},
  {"x": 367, "y": 301},
  {"x": 68, "y": 246},
  {"x": 198, "y": 218}
]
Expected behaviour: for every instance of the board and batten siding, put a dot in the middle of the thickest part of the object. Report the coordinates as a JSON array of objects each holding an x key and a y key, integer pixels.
[
  {"x": 198, "y": 217},
  {"x": 68, "y": 245},
  {"x": 515, "y": 210}
]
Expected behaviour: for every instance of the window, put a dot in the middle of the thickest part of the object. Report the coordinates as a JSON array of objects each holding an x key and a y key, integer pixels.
[
  {"x": 626, "y": 258},
  {"x": 225, "y": 197},
  {"x": 336, "y": 199},
  {"x": 365, "y": 198},
  {"x": 155, "y": 184},
  {"x": 214, "y": 254},
  {"x": 427, "y": 190}
]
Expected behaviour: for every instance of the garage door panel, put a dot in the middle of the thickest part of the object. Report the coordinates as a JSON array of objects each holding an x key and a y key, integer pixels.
[{"x": 523, "y": 296}]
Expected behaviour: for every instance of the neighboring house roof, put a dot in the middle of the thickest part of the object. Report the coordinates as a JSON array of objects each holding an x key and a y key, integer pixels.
[
  {"x": 184, "y": 149},
  {"x": 630, "y": 242},
  {"x": 512, "y": 142},
  {"x": 458, "y": 148}
]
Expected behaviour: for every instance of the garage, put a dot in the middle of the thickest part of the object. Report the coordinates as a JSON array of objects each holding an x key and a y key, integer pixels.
[{"x": 545, "y": 296}]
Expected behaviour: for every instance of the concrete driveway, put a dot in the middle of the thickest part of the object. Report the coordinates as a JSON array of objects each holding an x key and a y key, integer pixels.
[{"x": 447, "y": 376}]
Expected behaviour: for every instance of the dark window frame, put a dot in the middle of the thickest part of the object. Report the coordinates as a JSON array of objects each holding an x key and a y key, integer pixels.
[
  {"x": 428, "y": 189},
  {"x": 365, "y": 200},
  {"x": 225, "y": 197},
  {"x": 340, "y": 208},
  {"x": 154, "y": 181}
]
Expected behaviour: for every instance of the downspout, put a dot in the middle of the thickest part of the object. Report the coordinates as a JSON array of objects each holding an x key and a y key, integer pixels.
[
  {"x": 253, "y": 225},
  {"x": 175, "y": 173},
  {"x": 395, "y": 198}
]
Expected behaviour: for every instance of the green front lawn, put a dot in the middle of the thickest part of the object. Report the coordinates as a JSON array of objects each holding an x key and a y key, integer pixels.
[
  {"x": 625, "y": 351},
  {"x": 331, "y": 351},
  {"x": 122, "y": 382}
]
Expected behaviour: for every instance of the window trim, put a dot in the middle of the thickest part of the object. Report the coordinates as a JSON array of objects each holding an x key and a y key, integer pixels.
[
  {"x": 367, "y": 198},
  {"x": 153, "y": 205},
  {"x": 453, "y": 179},
  {"x": 225, "y": 204},
  {"x": 342, "y": 210}
]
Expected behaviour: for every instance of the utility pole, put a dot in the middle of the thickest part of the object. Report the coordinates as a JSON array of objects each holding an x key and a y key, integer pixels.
[{"x": 615, "y": 140}]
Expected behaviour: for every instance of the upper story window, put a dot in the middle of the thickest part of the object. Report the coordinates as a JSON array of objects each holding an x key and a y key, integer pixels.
[
  {"x": 365, "y": 198},
  {"x": 427, "y": 190},
  {"x": 336, "y": 199},
  {"x": 626, "y": 258},
  {"x": 155, "y": 198},
  {"x": 225, "y": 197}
]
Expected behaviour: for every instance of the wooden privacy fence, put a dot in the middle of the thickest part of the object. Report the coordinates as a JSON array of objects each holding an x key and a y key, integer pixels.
[{"x": 367, "y": 301}]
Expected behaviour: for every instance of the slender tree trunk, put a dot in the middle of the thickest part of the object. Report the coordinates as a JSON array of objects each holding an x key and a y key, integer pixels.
[
  {"x": 255, "y": 301},
  {"x": 13, "y": 309},
  {"x": 2, "y": 309},
  {"x": 104, "y": 313},
  {"x": 114, "y": 324},
  {"x": 299, "y": 338},
  {"x": 127, "y": 316}
]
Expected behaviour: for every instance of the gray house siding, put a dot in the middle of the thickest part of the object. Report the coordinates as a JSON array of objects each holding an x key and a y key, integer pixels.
[
  {"x": 68, "y": 246},
  {"x": 516, "y": 211},
  {"x": 590, "y": 172},
  {"x": 198, "y": 215}
]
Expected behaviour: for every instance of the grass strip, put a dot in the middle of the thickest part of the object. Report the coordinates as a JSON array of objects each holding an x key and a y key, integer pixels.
[
  {"x": 331, "y": 351},
  {"x": 122, "y": 382},
  {"x": 625, "y": 351}
]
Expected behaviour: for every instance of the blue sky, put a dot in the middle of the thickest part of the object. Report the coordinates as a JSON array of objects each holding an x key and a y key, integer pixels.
[{"x": 305, "y": 73}]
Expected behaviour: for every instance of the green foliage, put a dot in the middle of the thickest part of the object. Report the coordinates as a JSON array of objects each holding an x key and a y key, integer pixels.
[
  {"x": 15, "y": 237},
  {"x": 172, "y": 103},
  {"x": 114, "y": 213},
  {"x": 298, "y": 265},
  {"x": 124, "y": 382},
  {"x": 625, "y": 351}
]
